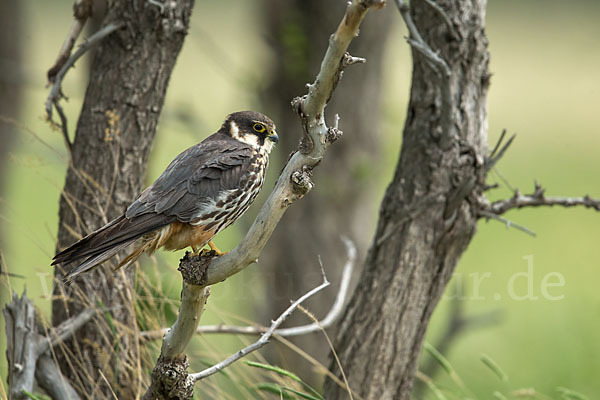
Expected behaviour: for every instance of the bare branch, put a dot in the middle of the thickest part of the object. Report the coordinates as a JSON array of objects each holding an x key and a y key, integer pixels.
[
  {"x": 506, "y": 222},
  {"x": 332, "y": 316},
  {"x": 418, "y": 43},
  {"x": 193, "y": 300},
  {"x": 26, "y": 348},
  {"x": 48, "y": 376},
  {"x": 56, "y": 89},
  {"x": 338, "y": 304},
  {"x": 494, "y": 158},
  {"x": 538, "y": 199},
  {"x": 65, "y": 330},
  {"x": 295, "y": 181},
  {"x": 445, "y": 17},
  {"x": 498, "y": 143},
  {"x": 81, "y": 11},
  {"x": 21, "y": 345},
  {"x": 264, "y": 339},
  {"x": 169, "y": 374},
  {"x": 435, "y": 61}
]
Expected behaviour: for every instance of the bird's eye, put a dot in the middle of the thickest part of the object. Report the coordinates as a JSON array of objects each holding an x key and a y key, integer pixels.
[{"x": 260, "y": 128}]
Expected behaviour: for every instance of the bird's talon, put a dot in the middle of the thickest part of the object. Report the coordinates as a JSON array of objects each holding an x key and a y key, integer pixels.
[{"x": 216, "y": 249}]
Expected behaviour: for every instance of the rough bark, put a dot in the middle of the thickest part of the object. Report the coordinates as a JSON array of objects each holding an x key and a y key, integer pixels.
[
  {"x": 298, "y": 33},
  {"x": 128, "y": 80},
  {"x": 428, "y": 215}
]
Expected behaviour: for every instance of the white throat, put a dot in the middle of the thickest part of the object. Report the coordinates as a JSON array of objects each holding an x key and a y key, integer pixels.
[{"x": 249, "y": 139}]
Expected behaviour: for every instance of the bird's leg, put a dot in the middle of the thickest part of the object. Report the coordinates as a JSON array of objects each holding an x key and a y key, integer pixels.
[
  {"x": 195, "y": 250},
  {"x": 215, "y": 248}
]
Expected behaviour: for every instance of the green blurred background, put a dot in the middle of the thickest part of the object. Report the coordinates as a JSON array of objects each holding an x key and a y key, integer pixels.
[{"x": 545, "y": 61}]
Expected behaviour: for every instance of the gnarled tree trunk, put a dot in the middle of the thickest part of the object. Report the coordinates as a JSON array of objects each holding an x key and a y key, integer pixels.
[
  {"x": 428, "y": 215},
  {"x": 128, "y": 81}
]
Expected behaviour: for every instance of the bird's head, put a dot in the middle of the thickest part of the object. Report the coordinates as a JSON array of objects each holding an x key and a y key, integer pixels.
[{"x": 252, "y": 128}]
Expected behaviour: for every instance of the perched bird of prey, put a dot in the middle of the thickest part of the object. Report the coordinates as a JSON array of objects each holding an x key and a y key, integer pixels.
[{"x": 203, "y": 191}]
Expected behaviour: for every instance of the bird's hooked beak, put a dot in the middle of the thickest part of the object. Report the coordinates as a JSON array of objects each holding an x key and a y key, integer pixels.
[{"x": 273, "y": 137}]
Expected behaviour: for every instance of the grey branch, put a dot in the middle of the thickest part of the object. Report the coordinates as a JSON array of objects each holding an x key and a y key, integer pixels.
[
  {"x": 434, "y": 60},
  {"x": 56, "y": 89},
  {"x": 49, "y": 377},
  {"x": 507, "y": 222},
  {"x": 26, "y": 350},
  {"x": 445, "y": 17},
  {"x": 539, "y": 199},
  {"x": 498, "y": 151},
  {"x": 264, "y": 339},
  {"x": 193, "y": 299},
  {"x": 169, "y": 374},
  {"x": 65, "y": 330},
  {"x": 332, "y": 316},
  {"x": 294, "y": 181},
  {"x": 81, "y": 12}
]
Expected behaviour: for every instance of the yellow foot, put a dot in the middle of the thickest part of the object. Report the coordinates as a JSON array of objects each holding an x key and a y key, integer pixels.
[{"x": 215, "y": 248}]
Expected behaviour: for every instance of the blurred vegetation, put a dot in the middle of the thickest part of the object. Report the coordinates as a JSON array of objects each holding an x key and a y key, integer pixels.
[{"x": 545, "y": 87}]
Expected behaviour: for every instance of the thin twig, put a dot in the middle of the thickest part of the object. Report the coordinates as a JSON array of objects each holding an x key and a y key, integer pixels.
[
  {"x": 498, "y": 143},
  {"x": 436, "y": 62},
  {"x": 506, "y": 222},
  {"x": 419, "y": 44},
  {"x": 56, "y": 89},
  {"x": 494, "y": 158},
  {"x": 536, "y": 200},
  {"x": 504, "y": 180},
  {"x": 264, "y": 339},
  {"x": 332, "y": 316},
  {"x": 81, "y": 12},
  {"x": 445, "y": 17}
]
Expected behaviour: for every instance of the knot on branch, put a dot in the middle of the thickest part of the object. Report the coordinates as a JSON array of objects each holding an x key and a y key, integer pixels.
[
  {"x": 373, "y": 3},
  {"x": 82, "y": 9},
  {"x": 307, "y": 143},
  {"x": 297, "y": 103},
  {"x": 538, "y": 191},
  {"x": 193, "y": 267},
  {"x": 333, "y": 134},
  {"x": 345, "y": 61},
  {"x": 175, "y": 19},
  {"x": 170, "y": 380},
  {"x": 301, "y": 181},
  {"x": 348, "y": 60}
]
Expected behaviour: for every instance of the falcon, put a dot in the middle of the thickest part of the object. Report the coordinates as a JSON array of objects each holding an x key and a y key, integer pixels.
[{"x": 202, "y": 191}]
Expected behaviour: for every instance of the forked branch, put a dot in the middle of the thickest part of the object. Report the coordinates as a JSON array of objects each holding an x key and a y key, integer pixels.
[
  {"x": 264, "y": 339},
  {"x": 332, "y": 316},
  {"x": 539, "y": 199},
  {"x": 169, "y": 376},
  {"x": 26, "y": 349},
  {"x": 56, "y": 78},
  {"x": 295, "y": 180},
  {"x": 434, "y": 60}
]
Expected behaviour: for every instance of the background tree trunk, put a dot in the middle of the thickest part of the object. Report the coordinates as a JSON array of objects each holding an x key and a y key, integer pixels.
[
  {"x": 427, "y": 217},
  {"x": 129, "y": 76},
  {"x": 11, "y": 83},
  {"x": 343, "y": 205}
]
